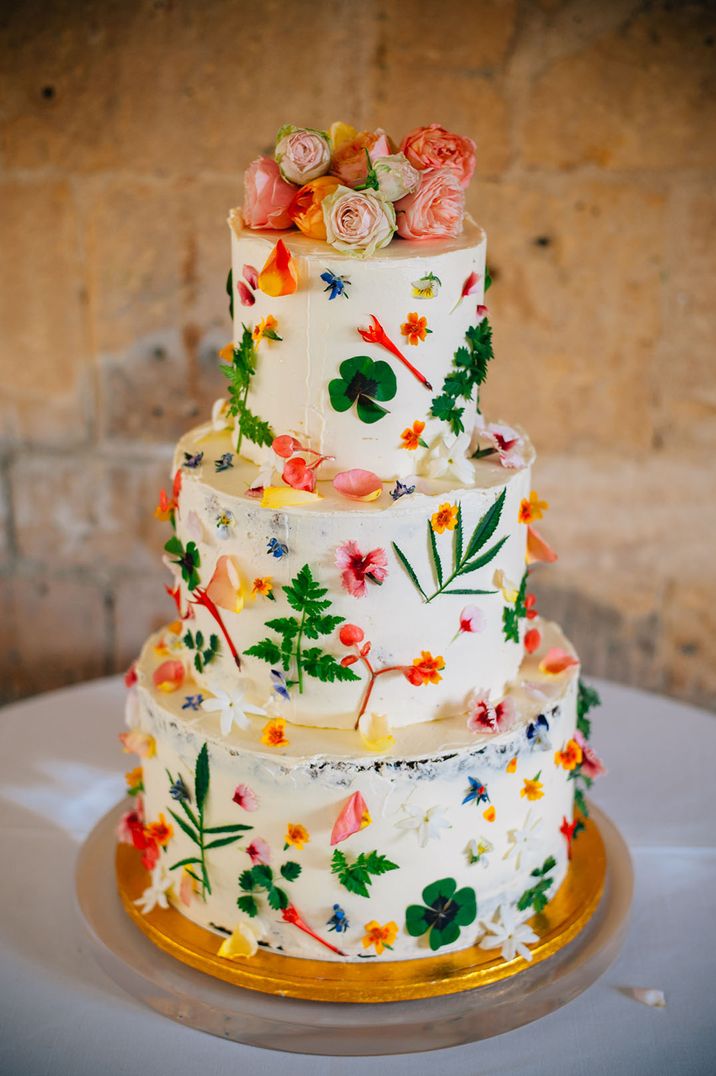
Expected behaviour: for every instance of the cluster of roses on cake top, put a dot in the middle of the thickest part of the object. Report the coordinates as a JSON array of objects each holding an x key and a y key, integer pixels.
[{"x": 358, "y": 189}]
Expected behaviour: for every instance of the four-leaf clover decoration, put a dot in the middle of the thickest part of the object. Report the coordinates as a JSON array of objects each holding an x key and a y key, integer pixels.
[
  {"x": 187, "y": 559},
  {"x": 363, "y": 381},
  {"x": 446, "y": 910}
]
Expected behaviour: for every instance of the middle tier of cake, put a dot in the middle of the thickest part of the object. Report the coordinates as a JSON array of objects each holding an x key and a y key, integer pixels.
[{"x": 286, "y": 600}]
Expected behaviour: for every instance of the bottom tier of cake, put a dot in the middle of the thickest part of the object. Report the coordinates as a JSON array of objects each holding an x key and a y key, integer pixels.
[{"x": 303, "y": 841}]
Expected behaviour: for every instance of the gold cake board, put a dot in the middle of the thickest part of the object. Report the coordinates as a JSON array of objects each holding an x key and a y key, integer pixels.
[{"x": 565, "y": 916}]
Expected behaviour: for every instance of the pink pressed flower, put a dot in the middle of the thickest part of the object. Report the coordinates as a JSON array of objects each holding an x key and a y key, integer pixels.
[
  {"x": 471, "y": 619},
  {"x": 353, "y": 817},
  {"x": 245, "y": 293},
  {"x": 130, "y": 677},
  {"x": 246, "y": 798},
  {"x": 186, "y": 889},
  {"x": 357, "y": 568},
  {"x": 481, "y": 311},
  {"x": 351, "y": 634},
  {"x": 508, "y": 442},
  {"x": 251, "y": 276},
  {"x": 592, "y": 765},
  {"x": 435, "y": 210},
  {"x": 482, "y": 716},
  {"x": 129, "y": 822},
  {"x": 267, "y": 196},
  {"x": 258, "y": 851},
  {"x": 435, "y": 147}
]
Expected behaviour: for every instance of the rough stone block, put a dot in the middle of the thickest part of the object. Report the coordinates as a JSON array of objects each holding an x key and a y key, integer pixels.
[
  {"x": 690, "y": 642},
  {"x": 45, "y": 397}
]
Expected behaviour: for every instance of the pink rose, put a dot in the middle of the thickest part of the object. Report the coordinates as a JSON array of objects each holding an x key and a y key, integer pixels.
[
  {"x": 349, "y": 160},
  {"x": 358, "y": 222},
  {"x": 436, "y": 210},
  {"x": 302, "y": 154},
  {"x": 267, "y": 196},
  {"x": 434, "y": 147}
]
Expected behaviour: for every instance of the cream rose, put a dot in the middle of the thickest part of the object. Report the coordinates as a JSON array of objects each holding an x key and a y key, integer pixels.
[
  {"x": 302, "y": 154},
  {"x": 358, "y": 222},
  {"x": 396, "y": 176}
]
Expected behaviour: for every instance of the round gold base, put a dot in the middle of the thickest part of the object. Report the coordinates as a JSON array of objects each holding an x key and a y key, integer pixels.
[{"x": 319, "y": 980}]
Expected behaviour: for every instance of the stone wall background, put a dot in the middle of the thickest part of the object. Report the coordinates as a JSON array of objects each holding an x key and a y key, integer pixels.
[{"x": 124, "y": 127}]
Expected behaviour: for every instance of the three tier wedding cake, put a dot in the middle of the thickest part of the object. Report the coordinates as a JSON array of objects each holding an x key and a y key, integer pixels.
[{"x": 358, "y": 740}]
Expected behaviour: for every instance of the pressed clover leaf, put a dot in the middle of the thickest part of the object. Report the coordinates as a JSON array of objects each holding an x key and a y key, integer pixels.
[
  {"x": 363, "y": 382},
  {"x": 446, "y": 909}
]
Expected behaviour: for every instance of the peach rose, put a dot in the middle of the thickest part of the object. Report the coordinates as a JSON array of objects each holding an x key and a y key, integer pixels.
[
  {"x": 396, "y": 176},
  {"x": 436, "y": 209},
  {"x": 434, "y": 147},
  {"x": 349, "y": 160},
  {"x": 302, "y": 154},
  {"x": 306, "y": 212},
  {"x": 267, "y": 196},
  {"x": 358, "y": 222}
]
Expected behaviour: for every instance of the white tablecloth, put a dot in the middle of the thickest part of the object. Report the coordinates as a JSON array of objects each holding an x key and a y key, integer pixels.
[{"x": 60, "y": 770}]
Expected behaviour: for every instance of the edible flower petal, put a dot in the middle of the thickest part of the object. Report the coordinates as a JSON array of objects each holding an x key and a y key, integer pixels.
[{"x": 354, "y": 816}]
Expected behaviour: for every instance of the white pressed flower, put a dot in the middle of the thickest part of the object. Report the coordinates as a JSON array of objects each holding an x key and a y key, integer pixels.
[
  {"x": 265, "y": 475},
  {"x": 510, "y": 933},
  {"x": 224, "y": 523},
  {"x": 448, "y": 458},
  {"x": 232, "y": 709},
  {"x": 425, "y": 822},
  {"x": 524, "y": 841},
  {"x": 155, "y": 895},
  {"x": 477, "y": 850}
]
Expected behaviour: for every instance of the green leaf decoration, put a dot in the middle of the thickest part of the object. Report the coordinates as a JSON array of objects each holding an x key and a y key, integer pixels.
[
  {"x": 445, "y": 910},
  {"x": 240, "y": 373},
  {"x": 488, "y": 279},
  {"x": 536, "y": 896},
  {"x": 587, "y": 699},
  {"x": 259, "y": 880},
  {"x": 364, "y": 382},
  {"x": 512, "y": 614},
  {"x": 308, "y": 598},
  {"x": 464, "y": 562},
  {"x": 187, "y": 559},
  {"x": 195, "y": 829},
  {"x": 469, "y": 371},
  {"x": 230, "y": 292},
  {"x": 357, "y": 875},
  {"x": 204, "y": 655}
]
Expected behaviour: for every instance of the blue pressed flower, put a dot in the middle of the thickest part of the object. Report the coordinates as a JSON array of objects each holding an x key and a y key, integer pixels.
[
  {"x": 477, "y": 792},
  {"x": 537, "y": 733},
  {"x": 192, "y": 462},
  {"x": 338, "y": 921},
  {"x": 401, "y": 489},
  {"x": 278, "y": 683},
  {"x": 192, "y": 702},
  {"x": 336, "y": 285},
  {"x": 178, "y": 791},
  {"x": 225, "y": 462},
  {"x": 276, "y": 549}
]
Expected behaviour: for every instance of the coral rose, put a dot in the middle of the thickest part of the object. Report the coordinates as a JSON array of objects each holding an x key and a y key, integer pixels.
[
  {"x": 358, "y": 222},
  {"x": 302, "y": 154},
  {"x": 267, "y": 196},
  {"x": 349, "y": 161},
  {"x": 306, "y": 211},
  {"x": 434, "y": 147},
  {"x": 436, "y": 210}
]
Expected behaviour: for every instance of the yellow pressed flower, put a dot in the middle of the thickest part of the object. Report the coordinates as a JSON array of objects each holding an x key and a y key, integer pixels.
[
  {"x": 532, "y": 788},
  {"x": 489, "y": 814},
  {"x": 296, "y": 836},
  {"x": 263, "y": 585},
  {"x": 274, "y": 733},
  {"x": 445, "y": 519},
  {"x": 570, "y": 756},
  {"x": 532, "y": 509},
  {"x": 380, "y": 937}
]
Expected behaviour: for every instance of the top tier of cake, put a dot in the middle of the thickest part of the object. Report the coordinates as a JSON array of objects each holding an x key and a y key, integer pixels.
[{"x": 319, "y": 328}]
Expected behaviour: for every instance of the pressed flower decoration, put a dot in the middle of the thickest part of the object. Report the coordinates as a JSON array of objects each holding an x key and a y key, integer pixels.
[
  {"x": 477, "y": 850},
  {"x": 338, "y": 920},
  {"x": 139, "y": 743},
  {"x": 570, "y": 756},
  {"x": 537, "y": 733},
  {"x": 135, "y": 781},
  {"x": 557, "y": 661},
  {"x": 401, "y": 489},
  {"x": 358, "y": 569},
  {"x": 426, "y": 287},
  {"x": 412, "y": 436},
  {"x": 297, "y": 836},
  {"x": 263, "y": 586},
  {"x": 486, "y": 716},
  {"x": 476, "y": 792},
  {"x": 444, "y": 912},
  {"x": 532, "y": 788},
  {"x": 379, "y": 936},
  {"x": 375, "y": 732},
  {"x": 169, "y": 676},
  {"x": 278, "y": 276},
  {"x": 266, "y": 329},
  {"x": 367, "y": 384},
  {"x": 525, "y": 841},
  {"x": 532, "y": 509},
  {"x": 186, "y": 558},
  {"x": 471, "y": 622},
  {"x": 358, "y": 484},
  {"x": 467, "y": 556},
  {"x": 568, "y": 831},
  {"x": 258, "y": 851},
  {"x": 243, "y": 941},
  {"x": 335, "y": 285},
  {"x": 427, "y": 823},
  {"x": 276, "y": 548},
  {"x": 353, "y": 817},
  {"x": 192, "y": 461},
  {"x": 508, "y": 932},
  {"x": 274, "y": 733},
  {"x": 415, "y": 329},
  {"x": 245, "y": 797},
  {"x": 376, "y": 334},
  {"x": 224, "y": 463},
  {"x": 471, "y": 285},
  {"x": 155, "y": 895}
]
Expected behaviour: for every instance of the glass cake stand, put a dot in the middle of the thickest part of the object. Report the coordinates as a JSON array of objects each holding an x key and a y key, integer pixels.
[{"x": 318, "y": 1027}]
